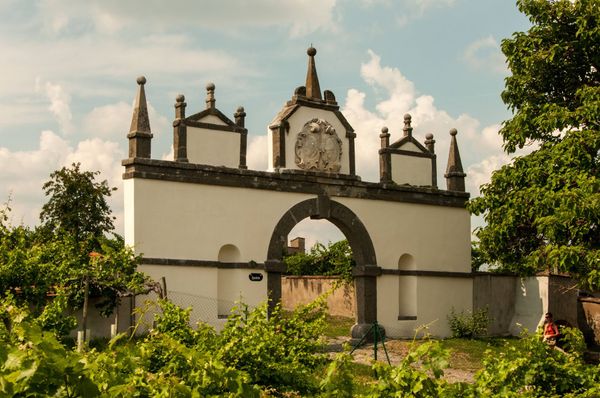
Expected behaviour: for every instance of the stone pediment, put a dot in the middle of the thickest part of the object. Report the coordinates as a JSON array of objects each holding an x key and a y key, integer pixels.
[
  {"x": 297, "y": 102},
  {"x": 406, "y": 141},
  {"x": 207, "y": 116}
]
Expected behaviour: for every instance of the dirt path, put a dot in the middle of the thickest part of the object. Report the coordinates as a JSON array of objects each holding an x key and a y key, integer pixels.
[{"x": 396, "y": 350}]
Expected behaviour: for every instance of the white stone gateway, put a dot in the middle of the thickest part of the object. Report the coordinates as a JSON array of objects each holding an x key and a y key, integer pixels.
[{"x": 217, "y": 231}]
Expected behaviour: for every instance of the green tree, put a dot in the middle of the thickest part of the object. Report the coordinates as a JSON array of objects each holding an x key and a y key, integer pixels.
[
  {"x": 71, "y": 248},
  {"x": 333, "y": 259},
  {"x": 77, "y": 205},
  {"x": 542, "y": 211}
]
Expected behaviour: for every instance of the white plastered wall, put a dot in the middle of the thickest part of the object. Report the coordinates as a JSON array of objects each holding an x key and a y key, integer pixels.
[
  {"x": 531, "y": 304},
  {"x": 187, "y": 287},
  {"x": 213, "y": 147},
  {"x": 296, "y": 122},
  {"x": 234, "y": 285},
  {"x": 193, "y": 221},
  {"x": 412, "y": 170},
  {"x": 436, "y": 297},
  {"x": 438, "y": 239},
  {"x": 210, "y": 292}
]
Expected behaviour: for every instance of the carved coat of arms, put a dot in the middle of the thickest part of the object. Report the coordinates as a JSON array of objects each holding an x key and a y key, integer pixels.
[{"x": 318, "y": 147}]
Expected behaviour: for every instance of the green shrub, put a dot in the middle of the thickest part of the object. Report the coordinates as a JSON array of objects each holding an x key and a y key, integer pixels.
[
  {"x": 419, "y": 374},
  {"x": 534, "y": 369},
  {"x": 338, "y": 381},
  {"x": 469, "y": 324},
  {"x": 277, "y": 350},
  {"x": 335, "y": 259}
]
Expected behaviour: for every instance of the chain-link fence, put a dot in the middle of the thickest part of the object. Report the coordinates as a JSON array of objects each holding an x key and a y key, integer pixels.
[{"x": 203, "y": 309}]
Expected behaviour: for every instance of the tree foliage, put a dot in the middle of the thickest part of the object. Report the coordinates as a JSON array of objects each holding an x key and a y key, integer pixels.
[
  {"x": 256, "y": 355},
  {"x": 56, "y": 258},
  {"x": 77, "y": 205},
  {"x": 542, "y": 211},
  {"x": 335, "y": 259}
]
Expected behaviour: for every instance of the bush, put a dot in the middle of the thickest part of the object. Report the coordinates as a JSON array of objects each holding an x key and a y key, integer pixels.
[
  {"x": 267, "y": 356},
  {"x": 469, "y": 325},
  {"x": 280, "y": 350},
  {"x": 333, "y": 260},
  {"x": 534, "y": 369}
]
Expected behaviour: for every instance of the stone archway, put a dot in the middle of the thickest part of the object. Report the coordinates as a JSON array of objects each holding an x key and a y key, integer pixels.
[{"x": 365, "y": 271}]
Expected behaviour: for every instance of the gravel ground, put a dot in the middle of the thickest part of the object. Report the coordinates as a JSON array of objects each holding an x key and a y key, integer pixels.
[{"x": 396, "y": 350}]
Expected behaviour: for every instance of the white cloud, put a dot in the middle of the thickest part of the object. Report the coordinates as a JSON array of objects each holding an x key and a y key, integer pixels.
[
  {"x": 257, "y": 152},
  {"x": 484, "y": 54},
  {"x": 481, "y": 172},
  {"x": 399, "y": 97},
  {"x": 480, "y": 148},
  {"x": 427, "y": 4},
  {"x": 108, "y": 120},
  {"x": 60, "y": 104},
  {"x": 99, "y": 62},
  {"x": 24, "y": 172},
  {"x": 415, "y": 9},
  {"x": 300, "y": 17},
  {"x": 314, "y": 231},
  {"x": 112, "y": 121}
]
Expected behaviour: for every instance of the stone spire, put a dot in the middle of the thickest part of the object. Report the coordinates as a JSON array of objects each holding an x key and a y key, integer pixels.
[
  {"x": 313, "y": 90},
  {"x": 139, "y": 132},
  {"x": 455, "y": 176}
]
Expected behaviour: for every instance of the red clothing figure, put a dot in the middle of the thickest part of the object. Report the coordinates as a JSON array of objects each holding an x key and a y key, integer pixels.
[{"x": 550, "y": 329}]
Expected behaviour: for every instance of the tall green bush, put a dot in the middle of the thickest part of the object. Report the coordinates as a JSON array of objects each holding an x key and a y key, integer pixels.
[
  {"x": 467, "y": 324},
  {"x": 335, "y": 259},
  {"x": 534, "y": 369}
]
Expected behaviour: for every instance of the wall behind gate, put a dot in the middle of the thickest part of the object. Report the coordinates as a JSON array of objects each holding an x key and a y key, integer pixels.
[
  {"x": 297, "y": 290},
  {"x": 516, "y": 303}
]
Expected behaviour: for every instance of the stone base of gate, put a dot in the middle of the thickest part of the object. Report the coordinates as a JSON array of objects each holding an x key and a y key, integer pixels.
[{"x": 365, "y": 332}]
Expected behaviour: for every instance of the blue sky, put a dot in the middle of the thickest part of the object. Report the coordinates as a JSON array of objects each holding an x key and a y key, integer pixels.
[{"x": 69, "y": 68}]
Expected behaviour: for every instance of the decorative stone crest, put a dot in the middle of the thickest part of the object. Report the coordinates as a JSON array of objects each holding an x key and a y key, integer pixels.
[{"x": 318, "y": 147}]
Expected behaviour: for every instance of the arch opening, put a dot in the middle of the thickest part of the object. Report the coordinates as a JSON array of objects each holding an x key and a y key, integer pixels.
[
  {"x": 365, "y": 270},
  {"x": 317, "y": 257}
]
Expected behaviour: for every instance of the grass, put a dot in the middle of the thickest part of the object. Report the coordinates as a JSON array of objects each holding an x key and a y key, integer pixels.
[
  {"x": 338, "y": 326},
  {"x": 468, "y": 354}
]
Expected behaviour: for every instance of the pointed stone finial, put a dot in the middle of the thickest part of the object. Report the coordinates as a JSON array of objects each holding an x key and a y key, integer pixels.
[
  {"x": 407, "y": 127},
  {"x": 430, "y": 143},
  {"x": 139, "y": 133},
  {"x": 210, "y": 96},
  {"x": 140, "y": 123},
  {"x": 313, "y": 90},
  {"x": 455, "y": 176}
]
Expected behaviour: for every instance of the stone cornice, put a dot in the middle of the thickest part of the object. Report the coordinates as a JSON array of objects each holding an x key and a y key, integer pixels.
[{"x": 333, "y": 185}]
